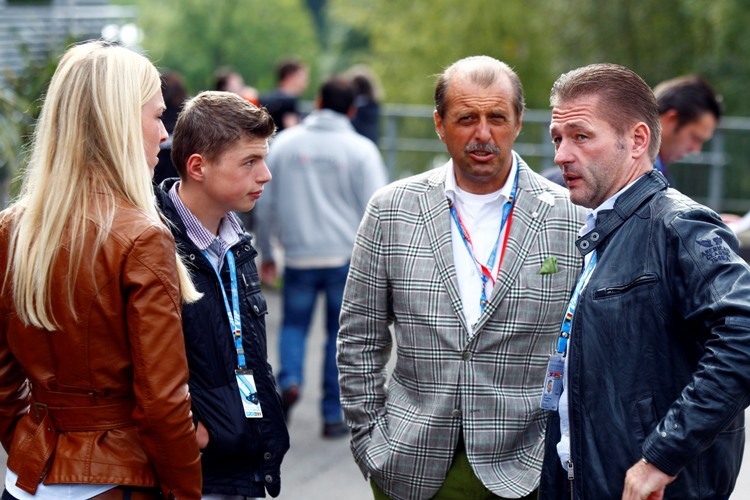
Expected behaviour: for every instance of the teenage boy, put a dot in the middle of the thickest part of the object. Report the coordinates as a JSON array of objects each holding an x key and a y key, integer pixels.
[{"x": 219, "y": 148}]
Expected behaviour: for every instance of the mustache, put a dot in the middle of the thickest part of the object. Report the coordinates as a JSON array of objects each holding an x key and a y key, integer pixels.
[{"x": 482, "y": 147}]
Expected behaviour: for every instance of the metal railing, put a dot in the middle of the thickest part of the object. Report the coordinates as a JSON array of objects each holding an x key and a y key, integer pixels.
[{"x": 535, "y": 146}]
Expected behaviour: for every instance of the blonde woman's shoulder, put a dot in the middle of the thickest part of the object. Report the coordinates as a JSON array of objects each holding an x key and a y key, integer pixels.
[{"x": 131, "y": 223}]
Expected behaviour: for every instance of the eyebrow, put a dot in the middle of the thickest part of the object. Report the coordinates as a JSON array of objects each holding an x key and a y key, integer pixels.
[{"x": 574, "y": 125}]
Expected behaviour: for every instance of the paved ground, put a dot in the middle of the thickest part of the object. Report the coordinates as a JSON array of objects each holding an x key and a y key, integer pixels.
[{"x": 318, "y": 469}]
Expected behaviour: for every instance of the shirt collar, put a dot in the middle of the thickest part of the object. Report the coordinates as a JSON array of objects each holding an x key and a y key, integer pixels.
[
  {"x": 230, "y": 230},
  {"x": 609, "y": 204},
  {"x": 451, "y": 187}
]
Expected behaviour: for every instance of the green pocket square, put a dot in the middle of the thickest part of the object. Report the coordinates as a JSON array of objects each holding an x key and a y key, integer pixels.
[{"x": 549, "y": 266}]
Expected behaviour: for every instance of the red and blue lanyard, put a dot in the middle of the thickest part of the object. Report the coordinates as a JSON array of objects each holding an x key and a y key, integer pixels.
[
  {"x": 233, "y": 313},
  {"x": 485, "y": 270},
  {"x": 562, "y": 341}
]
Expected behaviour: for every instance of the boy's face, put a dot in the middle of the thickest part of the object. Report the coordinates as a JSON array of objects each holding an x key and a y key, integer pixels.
[{"x": 235, "y": 180}]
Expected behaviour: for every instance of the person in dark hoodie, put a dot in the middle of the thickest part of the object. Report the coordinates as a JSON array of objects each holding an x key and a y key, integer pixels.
[{"x": 219, "y": 147}]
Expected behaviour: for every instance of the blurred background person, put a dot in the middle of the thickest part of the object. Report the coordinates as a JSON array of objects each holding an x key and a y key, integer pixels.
[
  {"x": 689, "y": 111},
  {"x": 292, "y": 78},
  {"x": 368, "y": 94},
  {"x": 323, "y": 176},
  {"x": 175, "y": 94},
  {"x": 93, "y": 392},
  {"x": 228, "y": 80}
]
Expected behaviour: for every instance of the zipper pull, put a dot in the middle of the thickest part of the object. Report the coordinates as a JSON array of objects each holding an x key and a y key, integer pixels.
[
  {"x": 571, "y": 474},
  {"x": 244, "y": 280}
]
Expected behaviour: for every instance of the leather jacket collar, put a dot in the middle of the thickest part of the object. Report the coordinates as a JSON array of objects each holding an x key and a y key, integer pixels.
[{"x": 609, "y": 220}]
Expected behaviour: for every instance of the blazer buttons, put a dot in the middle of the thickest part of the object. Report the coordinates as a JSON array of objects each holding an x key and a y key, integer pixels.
[
  {"x": 269, "y": 478},
  {"x": 267, "y": 456},
  {"x": 456, "y": 413},
  {"x": 466, "y": 356}
]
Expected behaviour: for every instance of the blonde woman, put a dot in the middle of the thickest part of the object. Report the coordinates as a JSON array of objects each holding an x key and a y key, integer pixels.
[{"x": 93, "y": 375}]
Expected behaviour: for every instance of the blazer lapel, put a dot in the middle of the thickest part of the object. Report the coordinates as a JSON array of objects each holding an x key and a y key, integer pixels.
[
  {"x": 532, "y": 204},
  {"x": 434, "y": 206}
]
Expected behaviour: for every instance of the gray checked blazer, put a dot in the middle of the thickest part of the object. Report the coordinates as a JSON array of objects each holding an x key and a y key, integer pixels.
[{"x": 402, "y": 289}]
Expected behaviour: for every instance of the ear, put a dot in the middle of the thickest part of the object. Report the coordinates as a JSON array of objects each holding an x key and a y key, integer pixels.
[
  {"x": 669, "y": 121},
  {"x": 519, "y": 125},
  {"x": 195, "y": 167},
  {"x": 439, "y": 125},
  {"x": 640, "y": 136}
]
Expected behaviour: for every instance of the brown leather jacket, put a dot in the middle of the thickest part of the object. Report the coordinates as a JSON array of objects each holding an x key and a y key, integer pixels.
[{"x": 104, "y": 399}]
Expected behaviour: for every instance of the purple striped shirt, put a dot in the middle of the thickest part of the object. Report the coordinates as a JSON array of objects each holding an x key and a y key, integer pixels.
[{"x": 230, "y": 231}]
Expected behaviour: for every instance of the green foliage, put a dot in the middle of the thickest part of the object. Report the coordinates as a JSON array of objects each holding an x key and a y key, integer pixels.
[
  {"x": 409, "y": 42},
  {"x": 195, "y": 37},
  {"x": 20, "y": 105}
]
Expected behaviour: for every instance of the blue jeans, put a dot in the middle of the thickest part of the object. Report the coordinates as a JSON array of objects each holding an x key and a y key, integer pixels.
[{"x": 301, "y": 288}]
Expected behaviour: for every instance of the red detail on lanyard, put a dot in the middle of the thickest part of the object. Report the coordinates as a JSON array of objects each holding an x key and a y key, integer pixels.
[{"x": 465, "y": 234}]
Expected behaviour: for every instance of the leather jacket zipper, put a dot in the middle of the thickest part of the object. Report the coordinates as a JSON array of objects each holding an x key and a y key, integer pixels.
[{"x": 571, "y": 476}]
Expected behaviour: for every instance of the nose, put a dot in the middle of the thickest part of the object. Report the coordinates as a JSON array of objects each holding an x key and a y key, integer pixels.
[
  {"x": 563, "y": 154},
  {"x": 264, "y": 175},
  {"x": 482, "y": 132},
  {"x": 163, "y": 135},
  {"x": 696, "y": 146}
]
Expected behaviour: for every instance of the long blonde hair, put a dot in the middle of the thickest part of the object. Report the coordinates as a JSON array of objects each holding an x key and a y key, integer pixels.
[{"x": 88, "y": 139}]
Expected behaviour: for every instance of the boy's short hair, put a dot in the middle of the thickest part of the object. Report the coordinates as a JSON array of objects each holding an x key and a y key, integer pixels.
[{"x": 211, "y": 122}]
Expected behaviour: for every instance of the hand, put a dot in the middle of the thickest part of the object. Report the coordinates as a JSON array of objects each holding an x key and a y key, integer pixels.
[
  {"x": 268, "y": 273},
  {"x": 643, "y": 481},
  {"x": 727, "y": 218},
  {"x": 201, "y": 435}
]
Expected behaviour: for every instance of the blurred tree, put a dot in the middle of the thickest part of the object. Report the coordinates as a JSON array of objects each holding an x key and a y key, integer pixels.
[
  {"x": 194, "y": 37},
  {"x": 20, "y": 105},
  {"x": 659, "y": 40},
  {"x": 407, "y": 42}
]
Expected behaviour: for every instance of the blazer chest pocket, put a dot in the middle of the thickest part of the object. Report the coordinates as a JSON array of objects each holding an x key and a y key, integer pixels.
[{"x": 613, "y": 290}]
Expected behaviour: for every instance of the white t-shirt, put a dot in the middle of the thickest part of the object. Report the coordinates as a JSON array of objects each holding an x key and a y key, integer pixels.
[{"x": 55, "y": 491}]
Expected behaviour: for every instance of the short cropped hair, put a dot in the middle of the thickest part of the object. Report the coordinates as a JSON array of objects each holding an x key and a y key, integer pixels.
[
  {"x": 625, "y": 98},
  {"x": 690, "y": 95},
  {"x": 287, "y": 67},
  {"x": 481, "y": 70},
  {"x": 211, "y": 122},
  {"x": 337, "y": 94}
]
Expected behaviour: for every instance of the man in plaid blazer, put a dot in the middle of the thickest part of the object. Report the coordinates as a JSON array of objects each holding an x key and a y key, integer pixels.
[{"x": 468, "y": 268}]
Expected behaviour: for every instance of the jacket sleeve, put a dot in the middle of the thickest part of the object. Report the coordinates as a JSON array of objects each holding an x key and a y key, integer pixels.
[
  {"x": 14, "y": 391},
  {"x": 160, "y": 372},
  {"x": 364, "y": 341},
  {"x": 710, "y": 283}
]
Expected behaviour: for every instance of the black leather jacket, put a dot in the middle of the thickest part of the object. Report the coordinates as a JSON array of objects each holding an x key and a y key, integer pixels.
[
  {"x": 244, "y": 455},
  {"x": 660, "y": 358}
]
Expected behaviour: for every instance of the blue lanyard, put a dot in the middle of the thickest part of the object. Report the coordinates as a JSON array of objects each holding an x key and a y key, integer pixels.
[
  {"x": 233, "y": 313},
  {"x": 562, "y": 341},
  {"x": 485, "y": 271}
]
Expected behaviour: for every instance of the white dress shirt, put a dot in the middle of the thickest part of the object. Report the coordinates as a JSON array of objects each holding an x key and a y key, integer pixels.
[{"x": 481, "y": 215}]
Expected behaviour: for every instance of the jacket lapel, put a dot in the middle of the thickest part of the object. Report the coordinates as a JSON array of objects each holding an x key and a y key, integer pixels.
[
  {"x": 434, "y": 207},
  {"x": 533, "y": 202}
]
